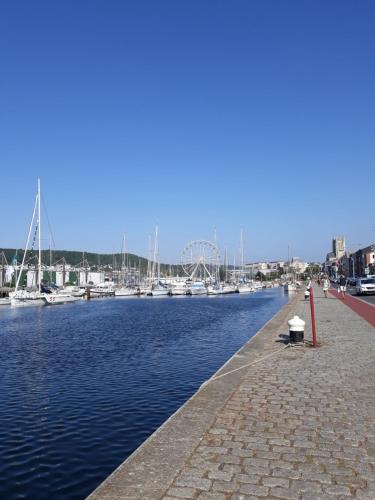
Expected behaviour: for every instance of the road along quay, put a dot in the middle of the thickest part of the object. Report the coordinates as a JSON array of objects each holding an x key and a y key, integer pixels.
[{"x": 275, "y": 422}]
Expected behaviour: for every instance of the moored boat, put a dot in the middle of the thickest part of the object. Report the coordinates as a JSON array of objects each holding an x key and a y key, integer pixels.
[
  {"x": 26, "y": 298},
  {"x": 59, "y": 297},
  {"x": 245, "y": 288},
  {"x": 198, "y": 288},
  {"x": 159, "y": 290},
  {"x": 125, "y": 291},
  {"x": 105, "y": 289},
  {"x": 179, "y": 288}
]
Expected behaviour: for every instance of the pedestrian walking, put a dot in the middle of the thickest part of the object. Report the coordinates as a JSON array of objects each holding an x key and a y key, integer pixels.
[
  {"x": 325, "y": 286},
  {"x": 342, "y": 285}
]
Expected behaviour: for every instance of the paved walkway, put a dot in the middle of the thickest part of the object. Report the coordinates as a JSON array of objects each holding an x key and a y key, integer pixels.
[
  {"x": 300, "y": 425},
  {"x": 296, "y": 424},
  {"x": 358, "y": 305}
]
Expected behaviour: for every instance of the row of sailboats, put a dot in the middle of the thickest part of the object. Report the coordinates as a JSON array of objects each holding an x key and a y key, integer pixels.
[{"x": 202, "y": 270}]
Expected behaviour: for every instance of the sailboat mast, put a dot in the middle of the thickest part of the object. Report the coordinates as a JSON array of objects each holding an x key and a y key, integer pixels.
[
  {"x": 39, "y": 240},
  {"x": 242, "y": 253},
  {"x": 27, "y": 242},
  {"x": 157, "y": 251},
  {"x": 50, "y": 259}
]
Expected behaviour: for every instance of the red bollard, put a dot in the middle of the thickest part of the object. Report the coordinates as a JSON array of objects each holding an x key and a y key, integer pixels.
[{"x": 313, "y": 327}]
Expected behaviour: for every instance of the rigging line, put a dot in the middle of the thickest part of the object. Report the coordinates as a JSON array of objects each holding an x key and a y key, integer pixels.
[
  {"x": 212, "y": 379},
  {"x": 48, "y": 222}
]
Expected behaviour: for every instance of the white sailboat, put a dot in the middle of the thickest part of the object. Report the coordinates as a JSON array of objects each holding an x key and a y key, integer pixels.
[
  {"x": 30, "y": 297},
  {"x": 243, "y": 286},
  {"x": 125, "y": 290},
  {"x": 157, "y": 289}
]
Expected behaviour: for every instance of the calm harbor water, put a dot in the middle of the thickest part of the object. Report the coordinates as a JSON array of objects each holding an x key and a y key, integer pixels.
[{"x": 83, "y": 385}]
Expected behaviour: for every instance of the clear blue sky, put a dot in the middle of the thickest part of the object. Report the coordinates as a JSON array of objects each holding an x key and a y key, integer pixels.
[{"x": 190, "y": 114}]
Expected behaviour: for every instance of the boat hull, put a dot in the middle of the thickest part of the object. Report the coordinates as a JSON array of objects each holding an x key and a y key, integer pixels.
[
  {"x": 26, "y": 302},
  {"x": 245, "y": 289},
  {"x": 24, "y": 298},
  {"x": 198, "y": 291},
  {"x": 56, "y": 299},
  {"x": 123, "y": 292},
  {"x": 159, "y": 293},
  {"x": 179, "y": 291}
]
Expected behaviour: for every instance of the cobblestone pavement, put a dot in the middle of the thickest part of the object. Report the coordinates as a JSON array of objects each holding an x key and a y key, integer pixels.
[{"x": 300, "y": 425}]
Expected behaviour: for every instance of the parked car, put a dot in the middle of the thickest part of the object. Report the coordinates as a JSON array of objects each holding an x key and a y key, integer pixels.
[
  {"x": 352, "y": 281},
  {"x": 365, "y": 285}
]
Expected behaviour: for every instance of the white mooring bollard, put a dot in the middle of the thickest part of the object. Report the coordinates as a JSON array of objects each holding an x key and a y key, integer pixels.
[{"x": 296, "y": 329}]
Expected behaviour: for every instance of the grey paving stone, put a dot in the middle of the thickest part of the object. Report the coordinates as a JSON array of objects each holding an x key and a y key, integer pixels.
[
  {"x": 272, "y": 482},
  {"x": 283, "y": 493},
  {"x": 194, "y": 482},
  {"x": 254, "y": 489},
  {"x": 225, "y": 486},
  {"x": 221, "y": 475},
  {"x": 211, "y": 496},
  {"x": 301, "y": 486},
  {"x": 336, "y": 489},
  {"x": 182, "y": 492},
  {"x": 248, "y": 478}
]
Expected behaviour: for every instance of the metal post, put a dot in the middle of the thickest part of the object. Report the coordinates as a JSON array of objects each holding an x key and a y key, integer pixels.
[{"x": 313, "y": 326}]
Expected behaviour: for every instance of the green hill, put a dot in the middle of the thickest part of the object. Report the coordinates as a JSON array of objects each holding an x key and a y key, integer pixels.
[{"x": 94, "y": 260}]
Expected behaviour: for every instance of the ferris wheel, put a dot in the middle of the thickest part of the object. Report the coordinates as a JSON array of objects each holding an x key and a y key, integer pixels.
[{"x": 200, "y": 260}]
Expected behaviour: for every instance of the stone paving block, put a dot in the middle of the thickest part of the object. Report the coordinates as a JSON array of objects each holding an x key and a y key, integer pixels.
[
  {"x": 248, "y": 478},
  {"x": 284, "y": 493},
  {"x": 262, "y": 471},
  {"x": 194, "y": 482},
  {"x": 182, "y": 492},
  {"x": 275, "y": 481},
  {"x": 228, "y": 459},
  {"x": 301, "y": 486},
  {"x": 336, "y": 489},
  {"x": 243, "y": 452},
  {"x": 254, "y": 489},
  {"x": 280, "y": 442},
  {"x": 225, "y": 486},
  {"x": 316, "y": 476},
  {"x": 221, "y": 475},
  {"x": 211, "y": 496},
  {"x": 318, "y": 496},
  {"x": 234, "y": 469},
  {"x": 287, "y": 473},
  {"x": 216, "y": 430},
  {"x": 243, "y": 497},
  {"x": 256, "y": 462}
]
